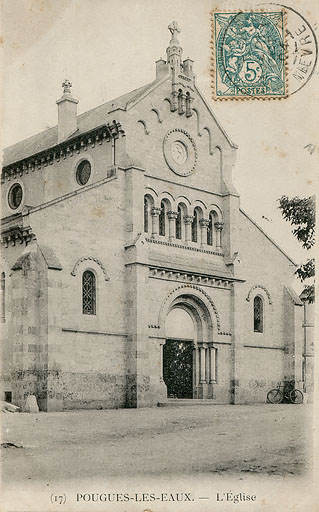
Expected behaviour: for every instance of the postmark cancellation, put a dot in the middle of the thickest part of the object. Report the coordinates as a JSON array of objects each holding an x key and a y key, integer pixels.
[{"x": 249, "y": 55}]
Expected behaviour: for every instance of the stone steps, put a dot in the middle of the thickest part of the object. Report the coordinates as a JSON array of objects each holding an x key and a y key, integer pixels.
[{"x": 177, "y": 402}]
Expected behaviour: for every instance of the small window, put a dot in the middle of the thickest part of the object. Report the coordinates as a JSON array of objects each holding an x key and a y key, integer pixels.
[
  {"x": 210, "y": 230},
  {"x": 258, "y": 314},
  {"x": 146, "y": 214},
  {"x": 162, "y": 219},
  {"x": 194, "y": 226},
  {"x": 179, "y": 223},
  {"x": 88, "y": 293},
  {"x": 83, "y": 172},
  {"x": 15, "y": 196}
]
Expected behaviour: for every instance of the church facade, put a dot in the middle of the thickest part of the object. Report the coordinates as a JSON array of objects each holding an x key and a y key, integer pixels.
[{"x": 112, "y": 221}]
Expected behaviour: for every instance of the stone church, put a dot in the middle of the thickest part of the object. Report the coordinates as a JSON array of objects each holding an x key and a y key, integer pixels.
[{"x": 130, "y": 274}]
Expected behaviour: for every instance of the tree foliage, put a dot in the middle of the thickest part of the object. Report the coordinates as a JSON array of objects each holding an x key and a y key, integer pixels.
[{"x": 300, "y": 212}]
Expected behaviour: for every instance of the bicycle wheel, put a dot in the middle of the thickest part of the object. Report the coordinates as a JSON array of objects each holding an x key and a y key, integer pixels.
[
  {"x": 296, "y": 396},
  {"x": 275, "y": 396}
]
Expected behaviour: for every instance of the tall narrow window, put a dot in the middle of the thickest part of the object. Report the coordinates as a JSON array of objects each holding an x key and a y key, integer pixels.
[
  {"x": 210, "y": 230},
  {"x": 194, "y": 227},
  {"x": 3, "y": 297},
  {"x": 162, "y": 219},
  {"x": 179, "y": 223},
  {"x": 88, "y": 293},
  {"x": 258, "y": 314},
  {"x": 146, "y": 215}
]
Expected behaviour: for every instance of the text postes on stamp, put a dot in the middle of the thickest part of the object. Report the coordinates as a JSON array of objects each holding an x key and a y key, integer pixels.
[{"x": 249, "y": 58}]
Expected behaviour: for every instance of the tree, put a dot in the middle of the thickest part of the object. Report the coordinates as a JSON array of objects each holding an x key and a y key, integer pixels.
[{"x": 300, "y": 212}]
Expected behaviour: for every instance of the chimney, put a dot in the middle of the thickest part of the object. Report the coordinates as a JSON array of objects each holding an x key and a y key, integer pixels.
[
  {"x": 188, "y": 67},
  {"x": 67, "y": 113},
  {"x": 161, "y": 68}
]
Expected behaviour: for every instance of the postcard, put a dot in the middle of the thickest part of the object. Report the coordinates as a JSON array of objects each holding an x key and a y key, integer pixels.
[{"x": 159, "y": 172}]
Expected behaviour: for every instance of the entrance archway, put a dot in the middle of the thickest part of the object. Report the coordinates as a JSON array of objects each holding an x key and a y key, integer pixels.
[
  {"x": 178, "y": 354},
  {"x": 189, "y": 357}
]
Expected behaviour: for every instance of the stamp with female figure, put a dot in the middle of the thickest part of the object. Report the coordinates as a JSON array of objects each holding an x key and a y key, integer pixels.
[{"x": 249, "y": 59}]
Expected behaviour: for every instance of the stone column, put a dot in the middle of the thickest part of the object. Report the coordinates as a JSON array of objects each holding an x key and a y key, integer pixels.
[
  {"x": 188, "y": 219},
  {"x": 172, "y": 216},
  {"x": 155, "y": 213},
  {"x": 182, "y": 103},
  {"x": 219, "y": 227},
  {"x": 189, "y": 106},
  {"x": 202, "y": 365},
  {"x": 204, "y": 224},
  {"x": 212, "y": 364}
]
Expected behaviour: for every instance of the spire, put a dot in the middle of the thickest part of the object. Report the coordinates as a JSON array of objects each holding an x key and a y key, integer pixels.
[{"x": 174, "y": 51}]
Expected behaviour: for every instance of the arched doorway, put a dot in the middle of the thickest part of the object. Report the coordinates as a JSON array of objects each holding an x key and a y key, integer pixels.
[
  {"x": 188, "y": 354},
  {"x": 178, "y": 354}
]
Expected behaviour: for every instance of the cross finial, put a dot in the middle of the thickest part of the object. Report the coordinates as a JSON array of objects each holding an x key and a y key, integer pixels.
[
  {"x": 66, "y": 86},
  {"x": 173, "y": 28}
]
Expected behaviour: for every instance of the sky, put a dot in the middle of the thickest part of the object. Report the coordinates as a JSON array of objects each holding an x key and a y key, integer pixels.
[{"x": 107, "y": 48}]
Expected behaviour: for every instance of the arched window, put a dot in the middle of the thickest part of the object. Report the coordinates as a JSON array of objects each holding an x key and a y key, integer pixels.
[
  {"x": 195, "y": 227},
  {"x": 258, "y": 314},
  {"x": 188, "y": 105},
  {"x": 179, "y": 223},
  {"x": 146, "y": 215},
  {"x": 210, "y": 230},
  {"x": 162, "y": 219},
  {"x": 148, "y": 204},
  {"x": 88, "y": 293},
  {"x": 3, "y": 297}
]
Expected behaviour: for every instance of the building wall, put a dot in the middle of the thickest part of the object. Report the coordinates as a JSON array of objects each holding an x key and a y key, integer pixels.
[{"x": 113, "y": 358}]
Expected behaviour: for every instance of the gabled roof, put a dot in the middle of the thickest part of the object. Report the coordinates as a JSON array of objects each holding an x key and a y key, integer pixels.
[
  {"x": 267, "y": 236},
  {"x": 86, "y": 121}
]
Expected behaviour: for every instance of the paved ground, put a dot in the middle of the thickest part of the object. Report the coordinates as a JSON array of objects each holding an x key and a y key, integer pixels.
[{"x": 262, "y": 439}]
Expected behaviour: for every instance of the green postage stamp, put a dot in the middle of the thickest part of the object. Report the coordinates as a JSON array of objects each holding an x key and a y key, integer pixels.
[{"x": 249, "y": 58}]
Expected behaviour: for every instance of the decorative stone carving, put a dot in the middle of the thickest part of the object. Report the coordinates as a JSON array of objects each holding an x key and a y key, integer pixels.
[
  {"x": 157, "y": 112},
  {"x": 180, "y": 152},
  {"x": 172, "y": 215},
  {"x": 183, "y": 246},
  {"x": 90, "y": 258},
  {"x": 155, "y": 211},
  {"x": 204, "y": 223},
  {"x": 192, "y": 286},
  {"x": 188, "y": 219},
  {"x": 219, "y": 225},
  {"x": 143, "y": 123},
  {"x": 17, "y": 235},
  {"x": 256, "y": 286}
]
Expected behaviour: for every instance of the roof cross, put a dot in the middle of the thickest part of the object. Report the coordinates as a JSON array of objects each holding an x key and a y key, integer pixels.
[
  {"x": 173, "y": 28},
  {"x": 66, "y": 86}
]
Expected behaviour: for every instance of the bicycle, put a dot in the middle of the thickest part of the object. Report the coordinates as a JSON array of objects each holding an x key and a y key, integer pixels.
[{"x": 287, "y": 392}]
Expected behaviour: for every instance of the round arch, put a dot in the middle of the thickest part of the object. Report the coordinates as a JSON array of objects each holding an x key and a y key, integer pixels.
[{"x": 198, "y": 304}]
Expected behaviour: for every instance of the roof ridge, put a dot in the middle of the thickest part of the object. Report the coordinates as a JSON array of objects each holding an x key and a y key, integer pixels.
[
  {"x": 267, "y": 236},
  {"x": 47, "y": 138}
]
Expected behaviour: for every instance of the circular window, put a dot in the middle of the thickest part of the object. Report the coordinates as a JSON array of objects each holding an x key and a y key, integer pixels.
[
  {"x": 179, "y": 152},
  {"x": 15, "y": 196},
  {"x": 83, "y": 172}
]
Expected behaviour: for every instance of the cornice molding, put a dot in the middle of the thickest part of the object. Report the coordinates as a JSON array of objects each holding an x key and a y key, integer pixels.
[
  {"x": 179, "y": 246},
  {"x": 63, "y": 150},
  {"x": 17, "y": 234},
  {"x": 193, "y": 277}
]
